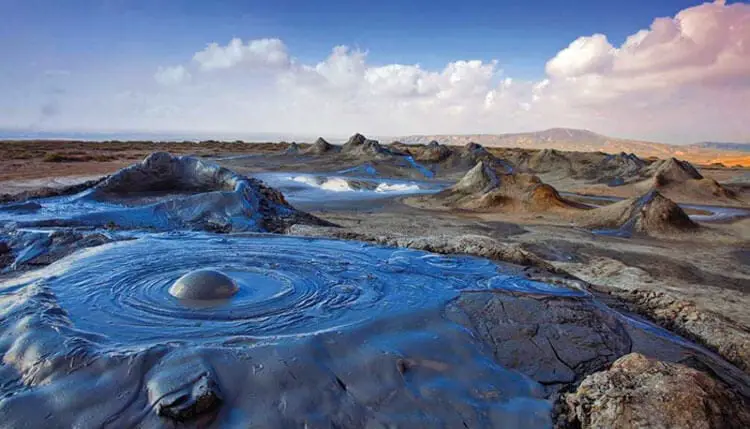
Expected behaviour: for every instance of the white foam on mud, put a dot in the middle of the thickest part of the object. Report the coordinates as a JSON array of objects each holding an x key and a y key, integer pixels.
[
  {"x": 338, "y": 184},
  {"x": 333, "y": 184},
  {"x": 397, "y": 187}
]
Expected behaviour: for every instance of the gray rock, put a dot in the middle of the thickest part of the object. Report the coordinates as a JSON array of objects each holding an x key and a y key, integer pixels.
[{"x": 637, "y": 392}]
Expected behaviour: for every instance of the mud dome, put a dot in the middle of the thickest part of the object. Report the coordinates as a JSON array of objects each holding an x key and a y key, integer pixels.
[
  {"x": 204, "y": 285},
  {"x": 285, "y": 286}
]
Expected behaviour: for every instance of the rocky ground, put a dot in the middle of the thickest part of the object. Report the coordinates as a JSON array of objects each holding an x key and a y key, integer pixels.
[{"x": 691, "y": 278}]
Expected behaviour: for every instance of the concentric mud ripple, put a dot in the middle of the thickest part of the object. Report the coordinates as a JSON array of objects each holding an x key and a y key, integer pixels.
[{"x": 287, "y": 286}]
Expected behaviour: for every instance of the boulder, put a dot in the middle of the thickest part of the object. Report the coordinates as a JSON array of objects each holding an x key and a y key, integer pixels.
[{"x": 638, "y": 392}]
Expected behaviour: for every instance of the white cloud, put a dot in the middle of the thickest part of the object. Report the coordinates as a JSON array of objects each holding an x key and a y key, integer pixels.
[
  {"x": 586, "y": 55},
  {"x": 400, "y": 80},
  {"x": 262, "y": 52},
  {"x": 685, "y": 78},
  {"x": 169, "y": 76},
  {"x": 706, "y": 44}
]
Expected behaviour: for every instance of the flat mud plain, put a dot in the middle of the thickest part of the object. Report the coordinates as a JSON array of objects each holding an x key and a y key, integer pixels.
[{"x": 377, "y": 286}]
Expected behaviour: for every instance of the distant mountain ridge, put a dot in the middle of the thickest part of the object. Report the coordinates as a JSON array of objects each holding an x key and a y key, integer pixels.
[
  {"x": 568, "y": 139},
  {"x": 741, "y": 147}
]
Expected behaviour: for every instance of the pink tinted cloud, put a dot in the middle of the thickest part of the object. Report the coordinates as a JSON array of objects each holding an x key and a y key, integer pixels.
[{"x": 703, "y": 44}]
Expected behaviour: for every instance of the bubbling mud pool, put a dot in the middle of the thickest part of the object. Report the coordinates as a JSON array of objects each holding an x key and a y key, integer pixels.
[
  {"x": 285, "y": 286},
  {"x": 320, "y": 333}
]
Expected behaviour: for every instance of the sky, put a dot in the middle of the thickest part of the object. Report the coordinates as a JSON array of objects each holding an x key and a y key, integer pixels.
[{"x": 668, "y": 70}]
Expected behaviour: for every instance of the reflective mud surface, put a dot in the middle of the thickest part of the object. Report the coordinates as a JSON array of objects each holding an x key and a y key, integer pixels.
[
  {"x": 287, "y": 286},
  {"x": 305, "y": 191},
  {"x": 320, "y": 333},
  {"x": 314, "y": 191}
]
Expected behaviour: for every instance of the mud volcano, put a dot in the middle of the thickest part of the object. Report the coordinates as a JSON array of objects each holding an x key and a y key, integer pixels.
[
  {"x": 165, "y": 192},
  {"x": 126, "y": 291},
  {"x": 488, "y": 187},
  {"x": 204, "y": 285},
  {"x": 650, "y": 213},
  {"x": 360, "y": 326}
]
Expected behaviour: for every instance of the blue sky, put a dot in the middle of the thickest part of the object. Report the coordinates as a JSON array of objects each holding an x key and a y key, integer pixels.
[
  {"x": 60, "y": 49},
  {"x": 58, "y": 34}
]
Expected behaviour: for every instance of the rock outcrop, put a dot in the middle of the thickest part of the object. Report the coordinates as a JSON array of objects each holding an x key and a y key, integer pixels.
[
  {"x": 637, "y": 392},
  {"x": 651, "y": 213}
]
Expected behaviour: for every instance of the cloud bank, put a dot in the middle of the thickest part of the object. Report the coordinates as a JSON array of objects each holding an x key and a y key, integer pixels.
[{"x": 685, "y": 78}]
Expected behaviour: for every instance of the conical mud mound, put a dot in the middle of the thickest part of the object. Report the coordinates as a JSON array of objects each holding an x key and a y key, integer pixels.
[
  {"x": 189, "y": 194},
  {"x": 321, "y": 146},
  {"x": 548, "y": 160},
  {"x": 434, "y": 152},
  {"x": 651, "y": 213},
  {"x": 483, "y": 187},
  {"x": 680, "y": 180},
  {"x": 480, "y": 179},
  {"x": 616, "y": 170},
  {"x": 292, "y": 149},
  {"x": 674, "y": 171},
  {"x": 359, "y": 145}
]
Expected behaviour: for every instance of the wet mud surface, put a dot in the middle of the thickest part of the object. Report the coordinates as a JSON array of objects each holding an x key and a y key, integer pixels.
[{"x": 383, "y": 315}]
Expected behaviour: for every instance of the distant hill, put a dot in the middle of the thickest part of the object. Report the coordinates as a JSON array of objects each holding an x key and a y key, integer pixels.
[
  {"x": 569, "y": 139},
  {"x": 735, "y": 147}
]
